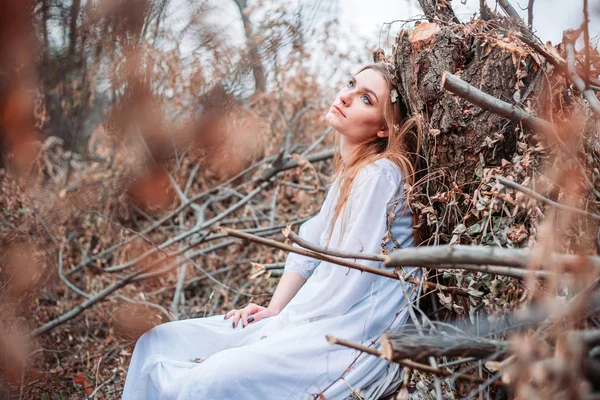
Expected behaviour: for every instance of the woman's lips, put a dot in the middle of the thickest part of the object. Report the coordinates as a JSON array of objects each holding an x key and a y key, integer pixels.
[{"x": 339, "y": 110}]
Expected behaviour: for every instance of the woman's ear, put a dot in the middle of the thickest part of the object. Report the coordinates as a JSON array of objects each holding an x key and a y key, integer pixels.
[{"x": 383, "y": 132}]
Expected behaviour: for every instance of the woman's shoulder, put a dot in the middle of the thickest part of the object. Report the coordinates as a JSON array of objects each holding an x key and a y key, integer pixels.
[{"x": 381, "y": 167}]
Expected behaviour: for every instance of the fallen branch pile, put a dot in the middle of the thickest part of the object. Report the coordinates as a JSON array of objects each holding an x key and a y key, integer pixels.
[{"x": 509, "y": 192}]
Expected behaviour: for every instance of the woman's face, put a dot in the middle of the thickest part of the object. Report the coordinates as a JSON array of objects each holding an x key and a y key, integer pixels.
[{"x": 357, "y": 111}]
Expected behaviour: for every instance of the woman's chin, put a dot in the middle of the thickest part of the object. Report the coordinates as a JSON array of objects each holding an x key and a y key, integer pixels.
[{"x": 333, "y": 120}]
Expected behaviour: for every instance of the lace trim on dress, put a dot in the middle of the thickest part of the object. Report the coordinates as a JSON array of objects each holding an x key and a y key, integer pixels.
[{"x": 303, "y": 267}]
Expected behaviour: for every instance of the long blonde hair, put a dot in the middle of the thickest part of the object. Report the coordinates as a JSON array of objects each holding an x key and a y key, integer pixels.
[{"x": 401, "y": 146}]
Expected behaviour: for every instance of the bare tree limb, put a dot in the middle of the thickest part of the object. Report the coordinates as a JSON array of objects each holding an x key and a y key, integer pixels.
[
  {"x": 64, "y": 279},
  {"x": 510, "y": 10},
  {"x": 47, "y": 327},
  {"x": 288, "y": 130},
  {"x": 444, "y": 289},
  {"x": 414, "y": 257},
  {"x": 492, "y": 104},
  {"x": 288, "y": 233},
  {"x": 519, "y": 259},
  {"x": 558, "y": 62},
  {"x": 484, "y": 11},
  {"x": 149, "y": 304},
  {"x": 569, "y": 38},
  {"x": 193, "y": 231},
  {"x": 545, "y": 200},
  {"x": 438, "y": 9},
  {"x": 409, "y": 363},
  {"x": 144, "y": 273},
  {"x": 308, "y": 253},
  {"x": 193, "y": 199},
  {"x": 400, "y": 345},
  {"x": 317, "y": 142},
  {"x": 508, "y": 111},
  {"x": 530, "y": 13},
  {"x": 258, "y": 70},
  {"x": 495, "y": 270},
  {"x": 289, "y": 164},
  {"x": 258, "y": 231},
  {"x": 586, "y": 43}
]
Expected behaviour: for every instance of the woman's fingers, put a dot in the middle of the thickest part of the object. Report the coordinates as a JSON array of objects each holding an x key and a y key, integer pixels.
[
  {"x": 236, "y": 318},
  {"x": 229, "y": 314},
  {"x": 256, "y": 317},
  {"x": 264, "y": 313},
  {"x": 244, "y": 315}
]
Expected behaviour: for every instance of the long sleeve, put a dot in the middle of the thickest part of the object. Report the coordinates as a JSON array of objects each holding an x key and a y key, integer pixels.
[
  {"x": 310, "y": 231},
  {"x": 372, "y": 192}
]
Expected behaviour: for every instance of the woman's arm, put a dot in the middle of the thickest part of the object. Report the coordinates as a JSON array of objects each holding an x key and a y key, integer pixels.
[
  {"x": 365, "y": 226},
  {"x": 289, "y": 284},
  {"x": 297, "y": 270}
]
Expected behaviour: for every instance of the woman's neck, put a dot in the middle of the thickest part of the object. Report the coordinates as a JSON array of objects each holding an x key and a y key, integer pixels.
[{"x": 347, "y": 149}]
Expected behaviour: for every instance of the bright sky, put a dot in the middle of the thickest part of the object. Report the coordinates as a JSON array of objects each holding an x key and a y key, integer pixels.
[
  {"x": 365, "y": 24},
  {"x": 550, "y": 17}
]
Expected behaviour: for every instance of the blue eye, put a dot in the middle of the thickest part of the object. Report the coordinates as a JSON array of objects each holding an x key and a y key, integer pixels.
[
  {"x": 351, "y": 84},
  {"x": 366, "y": 99}
]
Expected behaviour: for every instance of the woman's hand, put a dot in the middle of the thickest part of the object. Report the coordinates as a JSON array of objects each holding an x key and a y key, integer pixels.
[{"x": 251, "y": 313}]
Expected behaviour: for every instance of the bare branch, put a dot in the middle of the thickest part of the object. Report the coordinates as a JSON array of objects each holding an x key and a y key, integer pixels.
[
  {"x": 443, "y": 11},
  {"x": 64, "y": 279},
  {"x": 191, "y": 232},
  {"x": 47, "y": 327},
  {"x": 408, "y": 363},
  {"x": 170, "y": 215},
  {"x": 569, "y": 38},
  {"x": 510, "y": 10},
  {"x": 586, "y": 43},
  {"x": 288, "y": 233},
  {"x": 144, "y": 273},
  {"x": 436, "y": 257},
  {"x": 269, "y": 173},
  {"x": 545, "y": 200},
  {"x": 400, "y": 345},
  {"x": 530, "y": 13},
  {"x": 508, "y": 111},
  {"x": 492, "y": 104},
  {"x": 484, "y": 10},
  {"x": 519, "y": 259},
  {"x": 289, "y": 164},
  {"x": 308, "y": 253},
  {"x": 444, "y": 289}
]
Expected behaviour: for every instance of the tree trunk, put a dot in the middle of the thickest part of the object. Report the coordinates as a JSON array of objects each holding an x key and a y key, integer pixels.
[
  {"x": 460, "y": 129},
  {"x": 463, "y": 139},
  {"x": 45, "y": 41},
  {"x": 257, "y": 66},
  {"x": 75, "y": 7},
  {"x": 440, "y": 9}
]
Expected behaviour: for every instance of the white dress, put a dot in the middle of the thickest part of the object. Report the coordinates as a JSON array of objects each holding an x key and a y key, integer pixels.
[{"x": 287, "y": 356}]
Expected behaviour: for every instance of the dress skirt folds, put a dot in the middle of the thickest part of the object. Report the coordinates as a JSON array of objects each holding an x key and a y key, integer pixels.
[{"x": 288, "y": 356}]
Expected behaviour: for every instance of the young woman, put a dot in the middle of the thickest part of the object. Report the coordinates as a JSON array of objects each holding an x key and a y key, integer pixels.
[{"x": 280, "y": 352}]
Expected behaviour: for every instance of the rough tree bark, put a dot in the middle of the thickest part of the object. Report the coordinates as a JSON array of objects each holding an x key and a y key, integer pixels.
[
  {"x": 438, "y": 9},
  {"x": 460, "y": 134}
]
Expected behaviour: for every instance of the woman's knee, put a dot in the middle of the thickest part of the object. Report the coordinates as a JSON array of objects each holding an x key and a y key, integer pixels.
[
  {"x": 231, "y": 365},
  {"x": 154, "y": 336}
]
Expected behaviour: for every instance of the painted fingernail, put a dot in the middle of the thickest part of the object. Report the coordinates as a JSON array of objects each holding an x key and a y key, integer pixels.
[
  {"x": 233, "y": 324},
  {"x": 250, "y": 319},
  {"x": 243, "y": 326},
  {"x": 225, "y": 316}
]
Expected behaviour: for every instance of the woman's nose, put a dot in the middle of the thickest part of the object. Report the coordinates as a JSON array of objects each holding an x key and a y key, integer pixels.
[{"x": 345, "y": 98}]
